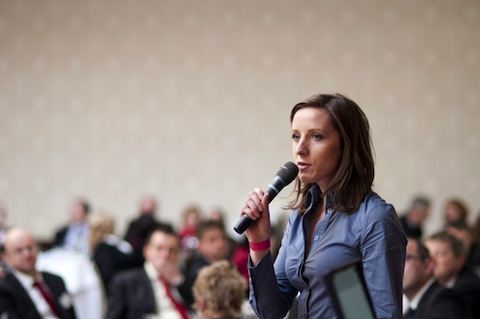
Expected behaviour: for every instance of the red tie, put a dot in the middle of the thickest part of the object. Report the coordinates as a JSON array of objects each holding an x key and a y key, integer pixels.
[
  {"x": 180, "y": 308},
  {"x": 47, "y": 296}
]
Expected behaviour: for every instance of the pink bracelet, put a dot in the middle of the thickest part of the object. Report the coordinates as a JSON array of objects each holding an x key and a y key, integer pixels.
[{"x": 261, "y": 245}]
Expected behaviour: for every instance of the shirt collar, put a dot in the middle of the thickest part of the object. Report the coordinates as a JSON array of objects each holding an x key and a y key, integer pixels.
[
  {"x": 151, "y": 271},
  {"x": 314, "y": 196},
  {"x": 413, "y": 304},
  {"x": 451, "y": 282},
  {"x": 25, "y": 279}
]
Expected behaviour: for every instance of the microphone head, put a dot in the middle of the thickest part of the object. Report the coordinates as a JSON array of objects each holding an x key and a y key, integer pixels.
[{"x": 288, "y": 172}]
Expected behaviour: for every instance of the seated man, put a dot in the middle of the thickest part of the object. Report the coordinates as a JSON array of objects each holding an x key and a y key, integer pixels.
[
  {"x": 425, "y": 297},
  {"x": 25, "y": 292},
  {"x": 156, "y": 288},
  {"x": 450, "y": 271},
  {"x": 141, "y": 226},
  {"x": 212, "y": 246},
  {"x": 219, "y": 291},
  {"x": 412, "y": 221},
  {"x": 74, "y": 235}
]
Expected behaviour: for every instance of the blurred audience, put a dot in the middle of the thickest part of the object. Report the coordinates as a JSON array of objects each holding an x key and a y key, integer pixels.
[
  {"x": 191, "y": 217},
  {"x": 74, "y": 235},
  {"x": 471, "y": 247},
  {"x": 109, "y": 253},
  {"x": 219, "y": 292},
  {"x": 217, "y": 214},
  {"x": 455, "y": 213},
  {"x": 413, "y": 220},
  {"x": 26, "y": 293},
  {"x": 191, "y": 268},
  {"x": 212, "y": 246},
  {"x": 139, "y": 228},
  {"x": 450, "y": 271},
  {"x": 424, "y": 297},
  {"x": 154, "y": 290},
  {"x": 240, "y": 256}
]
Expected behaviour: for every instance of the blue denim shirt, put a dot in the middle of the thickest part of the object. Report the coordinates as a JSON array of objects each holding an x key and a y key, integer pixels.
[{"x": 373, "y": 234}]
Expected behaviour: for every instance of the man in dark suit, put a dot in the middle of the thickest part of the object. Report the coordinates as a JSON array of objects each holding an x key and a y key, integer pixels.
[
  {"x": 140, "y": 227},
  {"x": 26, "y": 293},
  {"x": 213, "y": 246},
  {"x": 155, "y": 289},
  {"x": 450, "y": 271},
  {"x": 425, "y": 297}
]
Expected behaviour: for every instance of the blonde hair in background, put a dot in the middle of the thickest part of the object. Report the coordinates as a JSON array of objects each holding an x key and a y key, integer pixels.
[
  {"x": 219, "y": 291},
  {"x": 101, "y": 224}
]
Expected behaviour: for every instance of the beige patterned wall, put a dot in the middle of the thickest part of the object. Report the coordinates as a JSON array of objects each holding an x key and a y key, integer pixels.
[{"x": 189, "y": 100}]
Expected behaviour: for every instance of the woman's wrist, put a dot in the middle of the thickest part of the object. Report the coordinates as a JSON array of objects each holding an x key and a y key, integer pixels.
[{"x": 260, "y": 245}]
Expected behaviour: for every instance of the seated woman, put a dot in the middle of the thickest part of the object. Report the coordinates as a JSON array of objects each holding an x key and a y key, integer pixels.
[
  {"x": 219, "y": 291},
  {"x": 109, "y": 253}
]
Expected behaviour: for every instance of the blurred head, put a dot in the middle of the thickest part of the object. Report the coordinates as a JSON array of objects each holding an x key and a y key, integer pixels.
[
  {"x": 20, "y": 251},
  {"x": 162, "y": 247},
  {"x": 212, "y": 241},
  {"x": 448, "y": 254},
  {"x": 418, "y": 268},
  {"x": 101, "y": 225},
  {"x": 455, "y": 212},
  {"x": 79, "y": 211},
  {"x": 419, "y": 210},
  {"x": 148, "y": 205},
  {"x": 331, "y": 145},
  {"x": 217, "y": 214},
  {"x": 463, "y": 234},
  {"x": 191, "y": 216},
  {"x": 219, "y": 291}
]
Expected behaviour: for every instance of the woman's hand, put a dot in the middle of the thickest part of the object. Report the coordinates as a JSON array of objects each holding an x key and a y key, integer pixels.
[{"x": 256, "y": 207}]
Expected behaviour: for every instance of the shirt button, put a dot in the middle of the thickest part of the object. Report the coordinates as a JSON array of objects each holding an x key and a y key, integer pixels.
[{"x": 316, "y": 237}]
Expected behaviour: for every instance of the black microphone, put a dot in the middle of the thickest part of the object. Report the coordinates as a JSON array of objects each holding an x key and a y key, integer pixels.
[{"x": 285, "y": 175}]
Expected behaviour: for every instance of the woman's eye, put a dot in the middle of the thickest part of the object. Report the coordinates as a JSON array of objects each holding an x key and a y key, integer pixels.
[
  {"x": 295, "y": 136},
  {"x": 317, "y": 137}
]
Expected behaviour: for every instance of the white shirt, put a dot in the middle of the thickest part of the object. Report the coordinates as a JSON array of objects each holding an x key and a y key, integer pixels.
[
  {"x": 451, "y": 282},
  {"x": 165, "y": 307},
  {"x": 413, "y": 304},
  {"x": 76, "y": 237},
  {"x": 40, "y": 303}
]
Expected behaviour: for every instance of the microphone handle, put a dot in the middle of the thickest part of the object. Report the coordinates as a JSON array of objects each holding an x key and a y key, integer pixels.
[{"x": 246, "y": 221}]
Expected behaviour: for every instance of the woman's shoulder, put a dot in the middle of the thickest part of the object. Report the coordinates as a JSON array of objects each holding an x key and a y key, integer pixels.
[{"x": 375, "y": 207}]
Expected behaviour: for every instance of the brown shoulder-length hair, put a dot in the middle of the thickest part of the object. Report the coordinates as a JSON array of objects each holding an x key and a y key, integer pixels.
[{"x": 355, "y": 172}]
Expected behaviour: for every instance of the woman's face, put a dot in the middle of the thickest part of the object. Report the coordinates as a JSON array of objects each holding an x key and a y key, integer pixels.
[
  {"x": 452, "y": 213},
  {"x": 315, "y": 146}
]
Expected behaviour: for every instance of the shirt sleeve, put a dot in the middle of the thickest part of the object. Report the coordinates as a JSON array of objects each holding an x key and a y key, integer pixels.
[
  {"x": 271, "y": 293},
  {"x": 383, "y": 257}
]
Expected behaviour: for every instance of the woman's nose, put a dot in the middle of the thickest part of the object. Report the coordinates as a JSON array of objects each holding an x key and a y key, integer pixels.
[{"x": 301, "y": 147}]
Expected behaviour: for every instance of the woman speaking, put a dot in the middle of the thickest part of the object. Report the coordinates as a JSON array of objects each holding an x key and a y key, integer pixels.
[{"x": 336, "y": 218}]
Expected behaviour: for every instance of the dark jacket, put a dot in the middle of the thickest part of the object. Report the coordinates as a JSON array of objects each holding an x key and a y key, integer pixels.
[
  {"x": 15, "y": 303},
  {"x": 191, "y": 269},
  {"x": 110, "y": 260},
  {"x": 440, "y": 303},
  {"x": 468, "y": 289},
  {"x": 131, "y": 295}
]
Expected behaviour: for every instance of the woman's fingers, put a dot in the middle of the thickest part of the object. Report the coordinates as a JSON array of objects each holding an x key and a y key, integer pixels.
[{"x": 253, "y": 205}]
